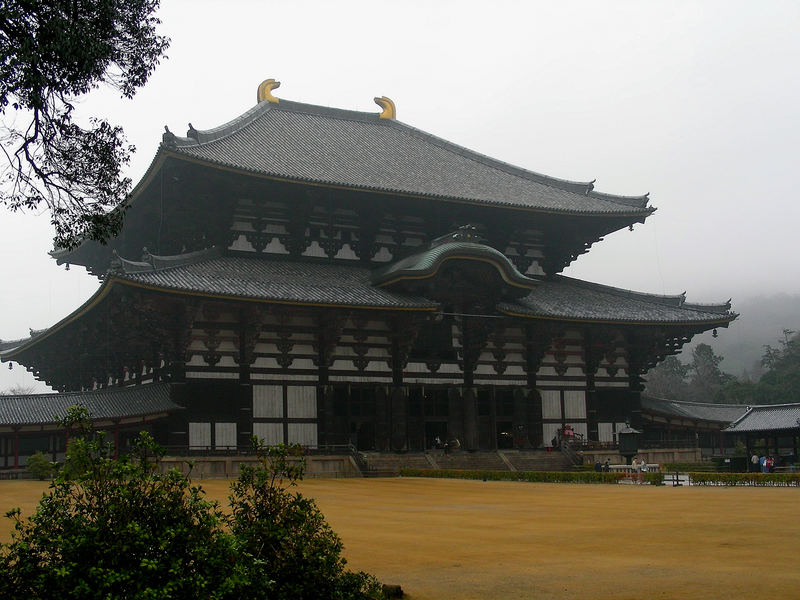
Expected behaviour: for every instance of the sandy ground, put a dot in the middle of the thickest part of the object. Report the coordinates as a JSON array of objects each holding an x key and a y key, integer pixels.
[{"x": 449, "y": 539}]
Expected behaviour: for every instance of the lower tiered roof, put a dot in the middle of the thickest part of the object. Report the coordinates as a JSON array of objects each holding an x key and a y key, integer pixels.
[
  {"x": 136, "y": 403},
  {"x": 696, "y": 411},
  {"x": 322, "y": 283}
]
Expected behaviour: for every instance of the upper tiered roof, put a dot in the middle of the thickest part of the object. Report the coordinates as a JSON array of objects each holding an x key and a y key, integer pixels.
[
  {"x": 364, "y": 151},
  {"x": 281, "y": 147}
]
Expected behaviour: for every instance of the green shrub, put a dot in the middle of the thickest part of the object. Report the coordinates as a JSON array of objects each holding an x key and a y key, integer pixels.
[
  {"x": 283, "y": 536},
  {"x": 755, "y": 479},
  {"x": 685, "y": 467},
  {"x": 530, "y": 476},
  {"x": 654, "y": 478},
  {"x": 119, "y": 528},
  {"x": 40, "y": 467}
]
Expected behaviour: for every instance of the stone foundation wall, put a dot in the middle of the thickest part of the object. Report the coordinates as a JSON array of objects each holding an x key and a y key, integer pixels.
[{"x": 204, "y": 467}]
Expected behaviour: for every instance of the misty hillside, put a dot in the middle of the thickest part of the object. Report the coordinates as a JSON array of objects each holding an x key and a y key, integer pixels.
[{"x": 761, "y": 322}]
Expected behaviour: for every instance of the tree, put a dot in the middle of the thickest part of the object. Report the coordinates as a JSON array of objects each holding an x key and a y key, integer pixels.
[
  {"x": 52, "y": 53},
  {"x": 705, "y": 376},
  {"x": 668, "y": 380},
  {"x": 779, "y": 384}
]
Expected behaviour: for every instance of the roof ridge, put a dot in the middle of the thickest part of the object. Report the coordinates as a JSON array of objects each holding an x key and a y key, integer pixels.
[
  {"x": 693, "y": 403},
  {"x": 634, "y": 201},
  {"x": 577, "y": 187},
  {"x": 441, "y": 251},
  {"x": 675, "y": 300},
  {"x": 114, "y": 390},
  {"x": 785, "y": 404},
  {"x": 154, "y": 262}
]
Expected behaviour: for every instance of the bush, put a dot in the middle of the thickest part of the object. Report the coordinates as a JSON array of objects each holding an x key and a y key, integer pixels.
[
  {"x": 40, "y": 467},
  {"x": 119, "y": 528},
  {"x": 756, "y": 479},
  {"x": 653, "y": 478},
  {"x": 530, "y": 476},
  {"x": 283, "y": 535}
]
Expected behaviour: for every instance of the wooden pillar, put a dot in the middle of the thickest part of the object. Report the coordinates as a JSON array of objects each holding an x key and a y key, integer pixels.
[
  {"x": 16, "y": 448},
  {"x": 455, "y": 418},
  {"x": 244, "y": 346},
  {"x": 470, "y": 412},
  {"x": 399, "y": 403},
  {"x": 116, "y": 440},
  {"x": 493, "y": 418},
  {"x": 534, "y": 406},
  {"x": 382, "y": 419}
]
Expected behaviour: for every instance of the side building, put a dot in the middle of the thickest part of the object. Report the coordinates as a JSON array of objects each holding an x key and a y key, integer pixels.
[{"x": 331, "y": 277}]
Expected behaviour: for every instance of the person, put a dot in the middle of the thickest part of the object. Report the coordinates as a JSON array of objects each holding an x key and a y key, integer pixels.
[
  {"x": 770, "y": 464},
  {"x": 763, "y": 464},
  {"x": 607, "y": 466},
  {"x": 597, "y": 466},
  {"x": 754, "y": 463}
]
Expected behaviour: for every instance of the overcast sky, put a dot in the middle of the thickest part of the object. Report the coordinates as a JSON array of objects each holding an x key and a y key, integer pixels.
[{"x": 693, "y": 102}]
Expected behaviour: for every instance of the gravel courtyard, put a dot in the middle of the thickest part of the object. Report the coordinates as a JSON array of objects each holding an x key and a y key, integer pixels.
[{"x": 451, "y": 539}]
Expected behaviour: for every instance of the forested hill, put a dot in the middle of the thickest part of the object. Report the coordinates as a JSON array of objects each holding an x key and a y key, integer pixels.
[{"x": 761, "y": 322}]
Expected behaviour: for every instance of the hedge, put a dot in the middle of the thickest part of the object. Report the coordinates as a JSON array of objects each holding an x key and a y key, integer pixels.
[
  {"x": 757, "y": 479},
  {"x": 531, "y": 476},
  {"x": 693, "y": 467}
]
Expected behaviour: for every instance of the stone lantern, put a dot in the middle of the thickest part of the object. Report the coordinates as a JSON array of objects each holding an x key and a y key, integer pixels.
[{"x": 628, "y": 442}]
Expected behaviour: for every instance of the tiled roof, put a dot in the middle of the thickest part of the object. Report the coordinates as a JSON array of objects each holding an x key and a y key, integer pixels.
[
  {"x": 567, "y": 298},
  {"x": 702, "y": 411},
  {"x": 770, "y": 417},
  {"x": 321, "y": 283},
  {"x": 308, "y": 143},
  {"x": 307, "y": 282},
  {"x": 337, "y": 284},
  {"x": 117, "y": 403}
]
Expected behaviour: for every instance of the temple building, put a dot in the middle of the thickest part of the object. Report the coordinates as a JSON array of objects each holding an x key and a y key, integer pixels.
[{"x": 329, "y": 277}]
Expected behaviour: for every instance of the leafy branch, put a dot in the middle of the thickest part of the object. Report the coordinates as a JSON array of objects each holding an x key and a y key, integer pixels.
[{"x": 51, "y": 54}]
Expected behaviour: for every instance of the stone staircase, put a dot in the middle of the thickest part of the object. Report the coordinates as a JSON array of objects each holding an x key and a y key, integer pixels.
[
  {"x": 378, "y": 464},
  {"x": 476, "y": 461},
  {"x": 388, "y": 465},
  {"x": 538, "y": 460}
]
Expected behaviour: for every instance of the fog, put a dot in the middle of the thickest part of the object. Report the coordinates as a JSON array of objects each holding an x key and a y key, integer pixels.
[{"x": 693, "y": 102}]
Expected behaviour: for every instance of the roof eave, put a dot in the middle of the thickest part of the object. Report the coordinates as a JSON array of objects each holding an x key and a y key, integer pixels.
[{"x": 637, "y": 215}]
